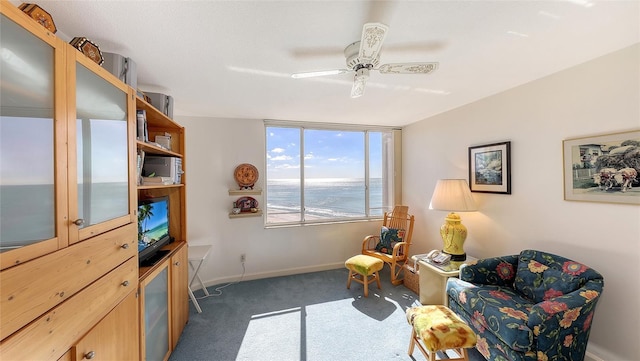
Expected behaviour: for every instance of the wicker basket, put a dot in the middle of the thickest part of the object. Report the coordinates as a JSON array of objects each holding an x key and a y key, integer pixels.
[{"x": 411, "y": 278}]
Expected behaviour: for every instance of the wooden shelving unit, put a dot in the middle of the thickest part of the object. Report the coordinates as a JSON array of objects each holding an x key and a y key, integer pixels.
[{"x": 174, "y": 262}]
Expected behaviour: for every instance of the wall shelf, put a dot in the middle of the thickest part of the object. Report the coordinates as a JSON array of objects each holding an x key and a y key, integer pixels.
[
  {"x": 246, "y": 214},
  {"x": 240, "y": 192}
]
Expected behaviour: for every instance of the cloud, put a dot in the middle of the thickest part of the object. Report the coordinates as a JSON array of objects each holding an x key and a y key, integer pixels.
[
  {"x": 287, "y": 166},
  {"x": 281, "y": 157},
  {"x": 277, "y": 150}
]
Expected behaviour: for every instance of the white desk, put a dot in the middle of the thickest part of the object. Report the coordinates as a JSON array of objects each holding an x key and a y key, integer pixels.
[
  {"x": 433, "y": 280},
  {"x": 197, "y": 255}
]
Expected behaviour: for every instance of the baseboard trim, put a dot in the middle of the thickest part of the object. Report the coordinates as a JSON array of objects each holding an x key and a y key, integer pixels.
[
  {"x": 588, "y": 356},
  {"x": 278, "y": 273}
]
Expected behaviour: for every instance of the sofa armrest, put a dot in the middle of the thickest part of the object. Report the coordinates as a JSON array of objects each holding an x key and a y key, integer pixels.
[
  {"x": 555, "y": 321},
  {"x": 578, "y": 302},
  {"x": 500, "y": 271}
]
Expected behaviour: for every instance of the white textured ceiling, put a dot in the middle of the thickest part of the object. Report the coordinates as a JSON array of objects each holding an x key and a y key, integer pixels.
[{"x": 233, "y": 59}]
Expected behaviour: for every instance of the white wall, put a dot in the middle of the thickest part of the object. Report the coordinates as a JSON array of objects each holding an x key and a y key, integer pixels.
[
  {"x": 214, "y": 148},
  {"x": 597, "y": 97}
]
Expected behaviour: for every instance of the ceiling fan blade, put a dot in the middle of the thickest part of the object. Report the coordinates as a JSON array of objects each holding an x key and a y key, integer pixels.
[
  {"x": 310, "y": 74},
  {"x": 373, "y": 35},
  {"x": 408, "y": 68},
  {"x": 359, "y": 81}
]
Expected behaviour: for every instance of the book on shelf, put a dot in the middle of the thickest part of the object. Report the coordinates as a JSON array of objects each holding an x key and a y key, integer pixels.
[
  {"x": 141, "y": 122},
  {"x": 156, "y": 181},
  {"x": 140, "y": 164}
]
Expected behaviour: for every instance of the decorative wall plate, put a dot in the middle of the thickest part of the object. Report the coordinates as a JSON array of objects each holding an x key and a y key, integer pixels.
[
  {"x": 88, "y": 48},
  {"x": 246, "y": 175},
  {"x": 246, "y": 203}
]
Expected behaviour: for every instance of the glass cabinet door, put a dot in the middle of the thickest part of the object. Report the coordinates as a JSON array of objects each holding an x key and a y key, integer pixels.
[
  {"x": 32, "y": 142},
  {"x": 101, "y": 166},
  {"x": 156, "y": 315}
]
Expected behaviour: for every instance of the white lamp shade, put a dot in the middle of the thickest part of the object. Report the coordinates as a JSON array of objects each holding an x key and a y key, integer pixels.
[{"x": 452, "y": 195}]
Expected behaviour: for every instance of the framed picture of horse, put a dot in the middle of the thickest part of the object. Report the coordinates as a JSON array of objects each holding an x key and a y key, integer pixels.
[{"x": 603, "y": 168}]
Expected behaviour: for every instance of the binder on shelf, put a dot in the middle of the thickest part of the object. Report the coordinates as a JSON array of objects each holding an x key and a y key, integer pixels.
[{"x": 141, "y": 118}]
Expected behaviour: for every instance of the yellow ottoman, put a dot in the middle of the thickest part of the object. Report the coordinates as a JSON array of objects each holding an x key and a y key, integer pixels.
[
  {"x": 439, "y": 329},
  {"x": 361, "y": 267}
]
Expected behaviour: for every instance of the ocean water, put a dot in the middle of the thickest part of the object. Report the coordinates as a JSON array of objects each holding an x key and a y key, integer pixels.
[{"x": 327, "y": 198}]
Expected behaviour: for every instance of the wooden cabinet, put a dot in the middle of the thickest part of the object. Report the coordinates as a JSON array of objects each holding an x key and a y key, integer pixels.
[
  {"x": 164, "y": 307},
  {"x": 33, "y": 140},
  {"x": 67, "y": 144},
  {"x": 155, "y": 339},
  {"x": 179, "y": 291},
  {"x": 68, "y": 244},
  {"x": 48, "y": 336},
  {"x": 101, "y": 163},
  {"x": 68, "y": 221},
  {"x": 98, "y": 344}
]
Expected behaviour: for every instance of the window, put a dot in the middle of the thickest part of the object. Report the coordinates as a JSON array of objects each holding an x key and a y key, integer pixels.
[{"x": 320, "y": 173}]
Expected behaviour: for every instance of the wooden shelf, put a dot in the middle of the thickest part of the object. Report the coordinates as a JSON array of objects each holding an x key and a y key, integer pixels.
[
  {"x": 240, "y": 192},
  {"x": 152, "y": 149},
  {"x": 143, "y": 272},
  {"x": 160, "y": 186},
  {"x": 159, "y": 119},
  {"x": 246, "y": 214}
]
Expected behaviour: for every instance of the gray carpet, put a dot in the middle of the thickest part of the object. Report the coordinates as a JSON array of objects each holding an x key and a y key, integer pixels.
[{"x": 306, "y": 317}]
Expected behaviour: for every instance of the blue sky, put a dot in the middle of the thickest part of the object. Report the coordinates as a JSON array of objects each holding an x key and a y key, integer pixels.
[{"x": 327, "y": 153}]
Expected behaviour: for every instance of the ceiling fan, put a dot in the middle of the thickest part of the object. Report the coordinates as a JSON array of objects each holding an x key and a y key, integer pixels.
[{"x": 364, "y": 56}]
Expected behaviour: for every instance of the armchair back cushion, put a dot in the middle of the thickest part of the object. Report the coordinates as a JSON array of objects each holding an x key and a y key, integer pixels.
[
  {"x": 542, "y": 276},
  {"x": 389, "y": 237}
]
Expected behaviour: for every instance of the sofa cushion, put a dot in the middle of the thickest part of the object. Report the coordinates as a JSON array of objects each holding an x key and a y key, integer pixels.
[
  {"x": 495, "y": 309},
  {"x": 388, "y": 238},
  {"x": 540, "y": 279}
]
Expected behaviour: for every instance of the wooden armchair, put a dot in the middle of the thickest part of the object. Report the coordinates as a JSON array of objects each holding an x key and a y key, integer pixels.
[{"x": 393, "y": 242}]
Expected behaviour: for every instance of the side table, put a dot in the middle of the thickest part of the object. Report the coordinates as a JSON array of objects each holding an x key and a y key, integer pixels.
[
  {"x": 197, "y": 255},
  {"x": 433, "y": 280}
]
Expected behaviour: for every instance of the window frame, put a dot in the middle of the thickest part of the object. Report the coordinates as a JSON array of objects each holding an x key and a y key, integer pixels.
[{"x": 392, "y": 172}]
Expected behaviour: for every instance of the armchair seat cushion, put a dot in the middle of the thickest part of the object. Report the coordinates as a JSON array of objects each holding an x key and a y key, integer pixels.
[{"x": 495, "y": 309}]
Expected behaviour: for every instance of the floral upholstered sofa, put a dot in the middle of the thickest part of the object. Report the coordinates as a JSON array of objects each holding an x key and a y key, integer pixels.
[{"x": 531, "y": 306}]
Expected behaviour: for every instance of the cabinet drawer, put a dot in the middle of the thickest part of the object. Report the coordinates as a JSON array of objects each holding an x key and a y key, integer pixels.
[
  {"x": 113, "y": 338},
  {"x": 55, "y": 332},
  {"x": 33, "y": 288}
]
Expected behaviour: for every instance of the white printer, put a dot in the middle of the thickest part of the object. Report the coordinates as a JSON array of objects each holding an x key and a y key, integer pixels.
[{"x": 163, "y": 167}]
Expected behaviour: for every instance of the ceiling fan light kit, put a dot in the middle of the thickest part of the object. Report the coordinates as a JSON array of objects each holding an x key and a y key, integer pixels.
[{"x": 364, "y": 55}]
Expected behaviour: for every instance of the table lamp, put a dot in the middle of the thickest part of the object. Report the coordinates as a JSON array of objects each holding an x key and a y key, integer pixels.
[{"x": 453, "y": 195}]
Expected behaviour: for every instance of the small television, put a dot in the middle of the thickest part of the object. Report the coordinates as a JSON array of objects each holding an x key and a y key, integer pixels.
[{"x": 153, "y": 228}]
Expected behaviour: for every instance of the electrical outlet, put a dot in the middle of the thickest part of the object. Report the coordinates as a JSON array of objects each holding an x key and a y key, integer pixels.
[{"x": 243, "y": 257}]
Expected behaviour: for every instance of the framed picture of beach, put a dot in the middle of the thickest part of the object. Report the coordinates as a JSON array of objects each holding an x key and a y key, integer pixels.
[
  {"x": 490, "y": 168},
  {"x": 602, "y": 168}
]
